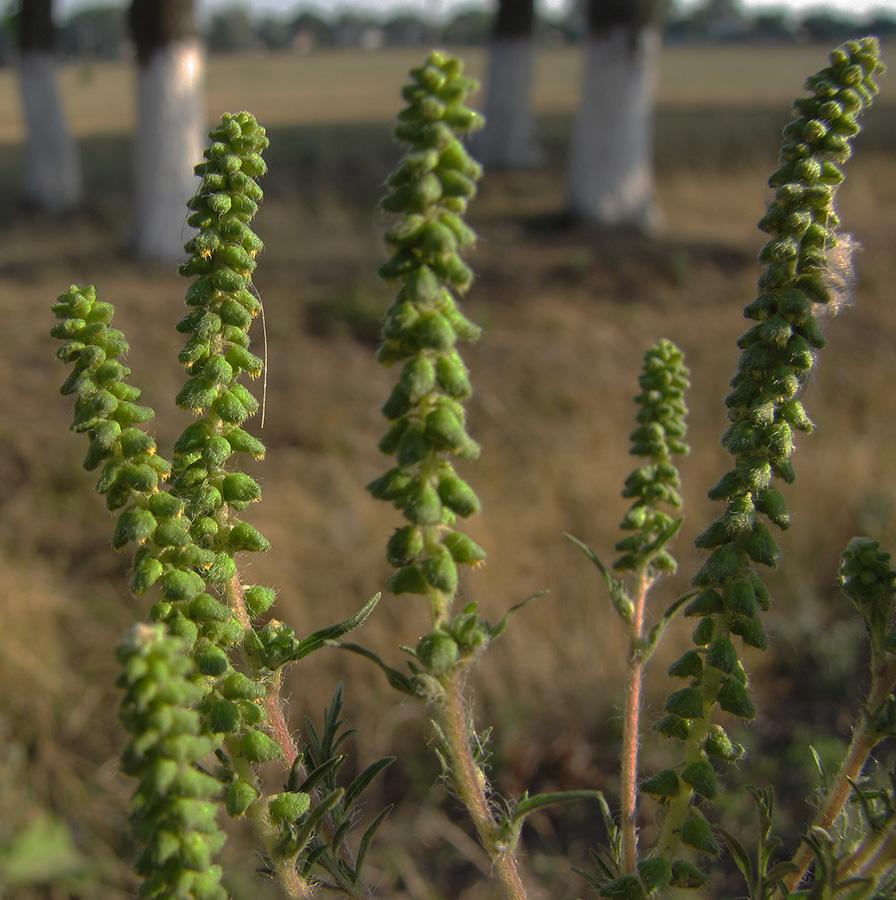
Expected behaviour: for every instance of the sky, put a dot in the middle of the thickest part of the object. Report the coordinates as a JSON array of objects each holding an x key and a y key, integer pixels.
[{"x": 853, "y": 7}]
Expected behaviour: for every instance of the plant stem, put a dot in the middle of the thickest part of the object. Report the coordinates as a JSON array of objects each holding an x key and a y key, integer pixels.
[
  {"x": 471, "y": 786},
  {"x": 864, "y": 739},
  {"x": 291, "y": 883},
  {"x": 632, "y": 728},
  {"x": 679, "y": 808}
]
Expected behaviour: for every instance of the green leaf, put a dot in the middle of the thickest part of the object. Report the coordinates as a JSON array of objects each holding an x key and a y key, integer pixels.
[
  {"x": 366, "y": 840},
  {"x": 528, "y": 805},
  {"x": 739, "y": 852},
  {"x": 332, "y": 633},
  {"x": 621, "y": 601},
  {"x": 314, "y": 817},
  {"x": 495, "y": 630},
  {"x": 397, "y": 679},
  {"x": 360, "y": 784}
]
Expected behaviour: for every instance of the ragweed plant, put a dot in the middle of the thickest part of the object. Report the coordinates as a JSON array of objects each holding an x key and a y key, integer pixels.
[
  {"x": 202, "y": 677},
  {"x": 802, "y": 281},
  {"x": 430, "y": 192},
  {"x": 202, "y": 681}
]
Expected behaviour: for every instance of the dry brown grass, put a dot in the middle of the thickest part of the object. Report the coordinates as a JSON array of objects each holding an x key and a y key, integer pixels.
[{"x": 569, "y": 313}]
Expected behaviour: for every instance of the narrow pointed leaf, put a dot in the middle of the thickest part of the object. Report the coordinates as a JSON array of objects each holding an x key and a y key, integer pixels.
[
  {"x": 359, "y": 785},
  {"x": 495, "y": 630},
  {"x": 333, "y": 632},
  {"x": 397, "y": 679},
  {"x": 366, "y": 840}
]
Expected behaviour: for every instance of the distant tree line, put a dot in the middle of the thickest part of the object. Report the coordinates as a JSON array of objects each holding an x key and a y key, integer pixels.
[{"x": 101, "y": 32}]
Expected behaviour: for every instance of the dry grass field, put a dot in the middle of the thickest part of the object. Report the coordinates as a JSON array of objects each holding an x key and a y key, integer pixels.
[{"x": 569, "y": 312}]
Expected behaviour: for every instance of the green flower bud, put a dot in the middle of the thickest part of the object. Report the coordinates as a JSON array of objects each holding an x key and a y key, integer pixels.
[
  {"x": 407, "y": 580},
  {"x": 236, "y": 686},
  {"x": 146, "y": 573},
  {"x": 405, "y": 545},
  {"x": 211, "y": 660},
  {"x": 458, "y": 496},
  {"x": 206, "y": 607},
  {"x": 706, "y": 603},
  {"x": 685, "y": 875},
  {"x": 673, "y": 726},
  {"x": 258, "y": 747},
  {"x": 733, "y": 698},
  {"x": 287, "y": 807},
  {"x": 133, "y": 525},
  {"x": 437, "y": 651},
  {"x": 240, "y": 488},
  {"x": 171, "y": 533},
  {"x": 180, "y": 585},
  {"x": 696, "y": 833},
  {"x": 719, "y": 746},
  {"x": 423, "y": 505},
  {"x": 259, "y": 599},
  {"x": 686, "y": 703},
  {"x": 239, "y": 797},
  {"x": 244, "y": 537},
  {"x": 703, "y": 632},
  {"x": 463, "y": 549},
  {"x": 224, "y": 717},
  {"x": 627, "y": 887},
  {"x": 702, "y": 778},
  {"x": 440, "y": 570},
  {"x": 655, "y": 873},
  {"x": 663, "y": 784},
  {"x": 690, "y": 665},
  {"x": 721, "y": 655}
]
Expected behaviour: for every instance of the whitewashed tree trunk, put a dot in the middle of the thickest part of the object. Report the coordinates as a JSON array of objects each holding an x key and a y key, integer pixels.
[
  {"x": 52, "y": 170},
  {"x": 611, "y": 163},
  {"x": 168, "y": 143},
  {"x": 508, "y": 140}
]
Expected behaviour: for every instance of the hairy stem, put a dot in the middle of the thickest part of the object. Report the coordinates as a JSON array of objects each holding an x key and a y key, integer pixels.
[
  {"x": 632, "y": 728},
  {"x": 292, "y": 884},
  {"x": 472, "y": 787},
  {"x": 864, "y": 739}
]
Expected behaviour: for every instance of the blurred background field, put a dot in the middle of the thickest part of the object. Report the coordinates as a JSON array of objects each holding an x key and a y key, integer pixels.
[{"x": 568, "y": 312}]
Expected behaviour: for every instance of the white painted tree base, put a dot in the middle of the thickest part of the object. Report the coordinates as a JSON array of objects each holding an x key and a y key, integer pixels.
[
  {"x": 508, "y": 140},
  {"x": 611, "y": 163},
  {"x": 52, "y": 171},
  {"x": 168, "y": 142}
]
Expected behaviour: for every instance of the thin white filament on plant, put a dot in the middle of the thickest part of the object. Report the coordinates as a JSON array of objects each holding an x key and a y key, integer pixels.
[
  {"x": 840, "y": 274},
  {"x": 264, "y": 340}
]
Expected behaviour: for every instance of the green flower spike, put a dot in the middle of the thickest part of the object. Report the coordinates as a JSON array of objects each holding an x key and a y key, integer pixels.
[
  {"x": 800, "y": 281},
  {"x": 430, "y": 191},
  {"x": 216, "y": 353},
  {"x": 796, "y": 286},
  {"x": 658, "y": 438},
  {"x": 173, "y": 811}
]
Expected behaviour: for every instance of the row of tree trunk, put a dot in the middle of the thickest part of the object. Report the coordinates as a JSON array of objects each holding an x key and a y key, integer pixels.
[
  {"x": 610, "y": 179},
  {"x": 610, "y": 168},
  {"x": 170, "y": 124}
]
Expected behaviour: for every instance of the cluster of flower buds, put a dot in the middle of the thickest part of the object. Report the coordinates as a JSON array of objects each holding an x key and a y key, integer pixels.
[
  {"x": 779, "y": 351},
  {"x": 430, "y": 191},
  {"x": 796, "y": 285},
  {"x": 867, "y": 578},
  {"x": 659, "y": 437},
  {"x": 174, "y": 807},
  {"x": 187, "y": 535}
]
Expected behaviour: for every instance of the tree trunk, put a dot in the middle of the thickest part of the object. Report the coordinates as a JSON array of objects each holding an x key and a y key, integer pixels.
[
  {"x": 170, "y": 124},
  {"x": 508, "y": 140},
  {"x": 611, "y": 163},
  {"x": 52, "y": 171}
]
